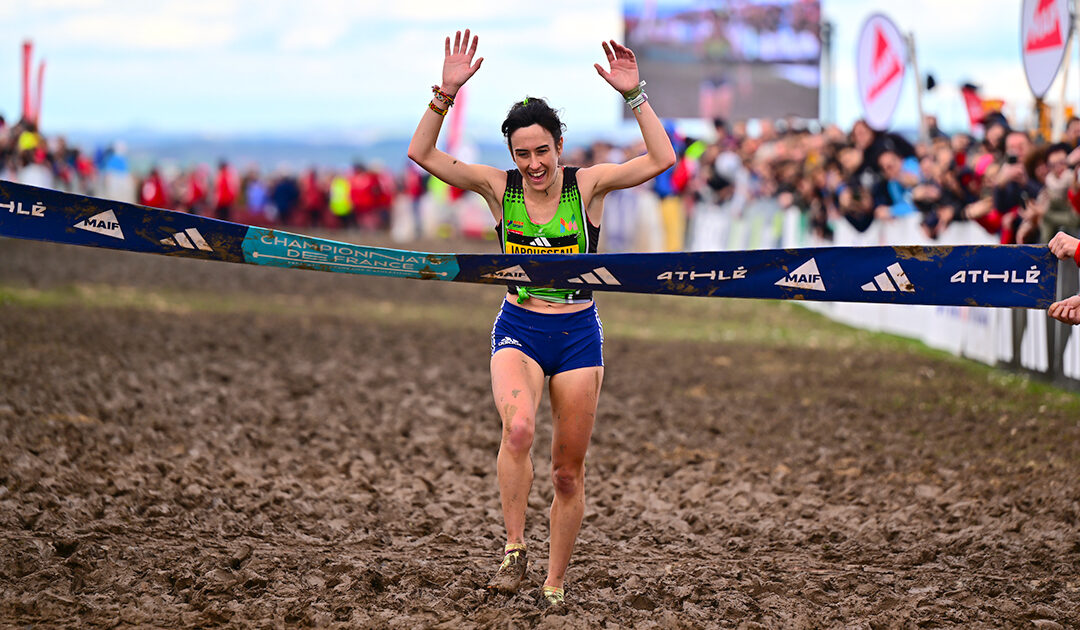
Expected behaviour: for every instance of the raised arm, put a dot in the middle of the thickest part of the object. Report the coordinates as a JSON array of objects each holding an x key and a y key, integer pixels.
[
  {"x": 458, "y": 67},
  {"x": 659, "y": 154}
]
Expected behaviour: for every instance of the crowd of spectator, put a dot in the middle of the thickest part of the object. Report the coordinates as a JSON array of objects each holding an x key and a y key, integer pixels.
[
  {"x": 359, "y": 197},
  {"x": 1019, "y": 187}
]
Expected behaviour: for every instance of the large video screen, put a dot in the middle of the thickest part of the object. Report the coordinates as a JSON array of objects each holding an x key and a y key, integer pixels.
[{"x": 732, "y": 59}]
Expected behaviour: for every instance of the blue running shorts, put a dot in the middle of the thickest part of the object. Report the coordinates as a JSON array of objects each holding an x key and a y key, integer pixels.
[{"x": 558, "y": 342}]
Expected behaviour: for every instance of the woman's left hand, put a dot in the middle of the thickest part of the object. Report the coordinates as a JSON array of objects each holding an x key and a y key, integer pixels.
[
  {"x": 1067, "y": 310},
  {"x": 624, "y": 71}
]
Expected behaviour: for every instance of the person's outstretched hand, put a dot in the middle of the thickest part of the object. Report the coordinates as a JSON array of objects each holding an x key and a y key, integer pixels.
[
  {"x": 1063, "y": 246},
  {"x": 1067, "y": 310},
  {"x": 624, "y": 71},
  {"x": 458, "y": 66}
]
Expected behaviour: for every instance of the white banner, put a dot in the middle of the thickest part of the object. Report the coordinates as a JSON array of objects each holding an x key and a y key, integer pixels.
[
  {"x": 880, "y": 62},
  {"x": 1044, "y": 33}
]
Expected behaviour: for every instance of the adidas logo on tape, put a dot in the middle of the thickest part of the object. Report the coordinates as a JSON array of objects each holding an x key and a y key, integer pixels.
[
  {"x": 510, "y": 273},
  {"x": 102, "y": 223},
  {"x": 895, "y": 280},
  {"x": 600, "y": 275},
  {"x": 188, "y": 239},
  {"x": 806, "y": 277}
]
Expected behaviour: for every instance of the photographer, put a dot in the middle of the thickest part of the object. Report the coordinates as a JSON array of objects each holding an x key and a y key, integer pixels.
[
  {"x": 893, "y": 193},
  {"x": 852, "y": 198},
  {"x": 1008, "y": 210}
]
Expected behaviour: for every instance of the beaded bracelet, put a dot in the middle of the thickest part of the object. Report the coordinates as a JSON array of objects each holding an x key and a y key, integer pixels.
[{"x": 443, "y": 96}]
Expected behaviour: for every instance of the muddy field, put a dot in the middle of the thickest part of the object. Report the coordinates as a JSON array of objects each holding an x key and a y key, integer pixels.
[{"x": 191, "y": 444}]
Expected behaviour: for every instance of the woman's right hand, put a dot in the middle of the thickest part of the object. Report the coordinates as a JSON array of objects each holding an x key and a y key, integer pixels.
[
  {"x": 1063, "y": 246},
  {"x": 458, "y": 66}
]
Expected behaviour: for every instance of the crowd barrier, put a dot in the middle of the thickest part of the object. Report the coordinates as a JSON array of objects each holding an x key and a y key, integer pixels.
[
  {"x": 634, "y": 220},
  {"x": 1020, "y": 339}
]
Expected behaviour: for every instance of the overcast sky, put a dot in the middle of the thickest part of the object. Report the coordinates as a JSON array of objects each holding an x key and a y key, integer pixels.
[{"x": 365, "y": 67}]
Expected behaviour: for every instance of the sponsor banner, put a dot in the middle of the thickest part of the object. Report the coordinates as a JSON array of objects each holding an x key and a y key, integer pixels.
[
  {"x": 16, "y": 207},
  {"x": 190, "y": 238},
  {"x": 974, "y": 275},
  {"x": 515, "y": 273},
  {"x": 275, "y": 248},
  {"x": 880, "y": 62},
  {"x": 1044, "y": 32},
  {"x": 102, "y": 223},
  {"x": 806, "y": 277},
  {"x": 60, "y": 217}
]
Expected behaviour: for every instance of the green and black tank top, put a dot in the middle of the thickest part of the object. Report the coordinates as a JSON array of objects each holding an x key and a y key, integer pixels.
[{"x": 568, "y": 232}]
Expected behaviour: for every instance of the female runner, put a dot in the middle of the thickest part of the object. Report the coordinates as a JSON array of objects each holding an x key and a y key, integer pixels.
[{"x": 542, "y": 207}]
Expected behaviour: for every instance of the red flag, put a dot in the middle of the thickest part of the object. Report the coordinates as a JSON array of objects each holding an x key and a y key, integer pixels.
[
  {"x": 974, "y": 105},
  {"x": 27, "y": 107},
  {"x": 37, "y": 102}
]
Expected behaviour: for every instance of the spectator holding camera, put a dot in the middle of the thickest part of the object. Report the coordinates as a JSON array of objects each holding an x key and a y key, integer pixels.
[
  {"x": 1008, "y": 209},
  {"x": 852, "y": 197},
  {"x": 931, "y": 196},
  {"x": 893, "y": 193}
]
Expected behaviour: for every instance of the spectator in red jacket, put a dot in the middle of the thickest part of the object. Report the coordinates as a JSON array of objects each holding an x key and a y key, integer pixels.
[
  {"x": 365, "y": 196},
  {"x": 153, "y": 191},
  {"x": 191, "y": 191},
  {"x": 314, "y": 200},
  {"x": 225, "y": 191},
  {"x": 386, "y": 189}
]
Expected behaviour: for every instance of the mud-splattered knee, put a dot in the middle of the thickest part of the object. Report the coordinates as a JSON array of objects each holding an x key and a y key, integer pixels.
[
  {"x": 568, "y": 480},
  {"x": 518, "y": 435}
]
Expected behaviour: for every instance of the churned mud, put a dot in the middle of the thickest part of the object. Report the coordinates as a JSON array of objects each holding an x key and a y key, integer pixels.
[{"x": 190, "y": 464}]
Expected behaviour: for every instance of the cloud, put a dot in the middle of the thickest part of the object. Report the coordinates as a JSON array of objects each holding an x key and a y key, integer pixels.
[
  {"x": 312, "y": 37},
  {"x": 139, "y": 33}
]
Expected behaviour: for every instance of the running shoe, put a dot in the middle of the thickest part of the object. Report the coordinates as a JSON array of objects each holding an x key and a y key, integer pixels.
[
  {"x": 552, "y": 597},
  {"x": 512, "y": 570}
]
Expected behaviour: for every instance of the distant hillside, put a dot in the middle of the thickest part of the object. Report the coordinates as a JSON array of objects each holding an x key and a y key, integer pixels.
[{"x": 268, "y": 154}]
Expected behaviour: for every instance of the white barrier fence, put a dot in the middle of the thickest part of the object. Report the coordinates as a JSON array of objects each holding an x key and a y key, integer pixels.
[{"x": 1019, "y": 338}]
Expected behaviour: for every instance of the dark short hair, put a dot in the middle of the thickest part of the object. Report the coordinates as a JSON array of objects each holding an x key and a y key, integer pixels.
[
  {"x": 532, "y": 111},
  {"x": 1056, "y": 147},
  {"x": 887, "y": 151}
]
